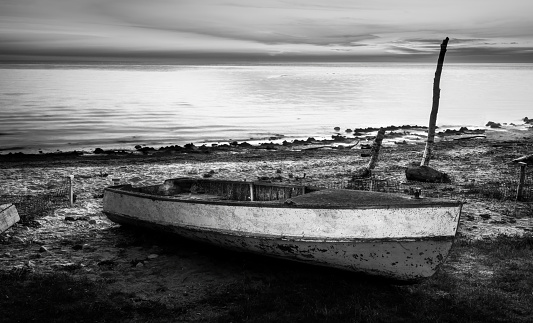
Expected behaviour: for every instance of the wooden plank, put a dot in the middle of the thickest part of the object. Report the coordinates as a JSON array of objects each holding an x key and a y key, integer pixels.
[{"x": 8, "y": 216}]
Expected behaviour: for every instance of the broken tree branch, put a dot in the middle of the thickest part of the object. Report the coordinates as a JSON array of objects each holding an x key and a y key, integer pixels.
[
  {"x": 367, "y": 171},
  {"x": 375, "y": 149}
]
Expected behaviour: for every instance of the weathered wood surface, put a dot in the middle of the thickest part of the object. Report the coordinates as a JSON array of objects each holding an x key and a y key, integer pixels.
[
  {"x": 521, "y": 181},
  {"x": 375, "y": 148},
  {"x": 8, "y": 216},
  {"x": 402, "y": 259},
  {"x": 435, "y": 106},
  {"x": 471, "y": 137},
  {"x": 524, "y": 159},
  {"x": 367, "y": 171},
  {"x": 359, "y": 231}
]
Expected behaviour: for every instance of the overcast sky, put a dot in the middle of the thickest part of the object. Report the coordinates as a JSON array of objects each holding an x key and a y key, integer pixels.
[{"x": 306, "y": 30}]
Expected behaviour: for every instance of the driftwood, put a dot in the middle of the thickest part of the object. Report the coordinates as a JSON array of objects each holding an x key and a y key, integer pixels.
[
  {"x": 367, "y": 171},
  {"x": 332, "y": 147},
  {"x": 426, "y": 174},
  {"x": 524, "y": 159},
  {"x": 435, "y": 106},
  {"x": 8, "y": 216},
  {"x": 471, "y": 137}
]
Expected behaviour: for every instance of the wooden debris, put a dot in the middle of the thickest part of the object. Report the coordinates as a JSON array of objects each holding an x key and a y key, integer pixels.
[
  {"x": 8, "y": 216},
  {"x": 367, "y": 171},
  {"x": 471, "y": 137},
  {"x": 524, "y": 159}
]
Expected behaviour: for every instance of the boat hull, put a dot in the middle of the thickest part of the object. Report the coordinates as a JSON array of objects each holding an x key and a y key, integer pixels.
[
  {"x": 399, "y": 242},
  {"x": 407, "y": 259}
]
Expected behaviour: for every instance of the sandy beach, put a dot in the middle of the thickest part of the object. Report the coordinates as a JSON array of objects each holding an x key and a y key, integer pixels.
[{"x": 81, "y": 241}]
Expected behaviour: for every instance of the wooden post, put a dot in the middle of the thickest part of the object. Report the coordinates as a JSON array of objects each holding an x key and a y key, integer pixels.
[
  {"x": 435, "y": 107},
  {"x": 251, "y": 191},
  {"x": 364, "y": 172},
  {"x": 521, "y": 182},
  {"x": 70, "y": 190},
  {"x": 375, "y": 148}
]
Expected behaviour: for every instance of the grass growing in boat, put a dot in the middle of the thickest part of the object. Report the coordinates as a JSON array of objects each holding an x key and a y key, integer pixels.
[{"x": 482, "y": 281}]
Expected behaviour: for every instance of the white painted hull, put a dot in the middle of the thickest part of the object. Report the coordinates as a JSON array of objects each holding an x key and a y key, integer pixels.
[
  {"x": 8, "y": 216},
  {"x": 401, "y": 242}
]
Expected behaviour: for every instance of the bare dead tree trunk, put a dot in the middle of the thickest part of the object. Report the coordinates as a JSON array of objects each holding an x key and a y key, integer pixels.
[
  {"x": 367, "y": 171},
  {"x": 375, "y": 149},
  {"x": 435, "y": 107}
]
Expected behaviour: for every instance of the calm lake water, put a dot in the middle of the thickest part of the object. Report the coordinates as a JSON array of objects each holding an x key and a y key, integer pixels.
[{"x": 67, "y": 107}]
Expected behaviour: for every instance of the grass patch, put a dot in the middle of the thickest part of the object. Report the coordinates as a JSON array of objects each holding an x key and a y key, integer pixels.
[
  {"x": 59, "y": 297},
  {"x": 300, "y": 295},
  {"x": 279, "y": 291},
  {"x": 295, "y": 298}
]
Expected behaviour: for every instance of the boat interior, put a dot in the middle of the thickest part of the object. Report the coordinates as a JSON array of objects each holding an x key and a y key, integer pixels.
[
  {"x": 187, "y": 188},
  {"x": 196, "y": 188}
]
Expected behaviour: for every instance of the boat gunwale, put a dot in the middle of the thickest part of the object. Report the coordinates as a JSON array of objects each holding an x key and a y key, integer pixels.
[{"x": 281, "y": 204}]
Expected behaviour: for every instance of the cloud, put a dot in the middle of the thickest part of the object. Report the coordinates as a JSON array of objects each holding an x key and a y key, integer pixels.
[{"x": 409, "y": 28}]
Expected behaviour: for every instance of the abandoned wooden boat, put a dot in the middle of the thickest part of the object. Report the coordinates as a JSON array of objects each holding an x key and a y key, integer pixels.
[
  {"x": 377, "y": 233},
  {"x": 8, "y": 216}
]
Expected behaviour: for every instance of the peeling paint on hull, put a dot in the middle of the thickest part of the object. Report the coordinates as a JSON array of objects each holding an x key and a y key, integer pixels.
[
  {"x": 401, "y": 243},
  {"x": 404, "y": 259}
]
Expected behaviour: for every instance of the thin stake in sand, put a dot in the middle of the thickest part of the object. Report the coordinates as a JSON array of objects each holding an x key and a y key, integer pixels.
[
  {"x": 70, "y": 180},
  {"x": 521, "y": 181}
]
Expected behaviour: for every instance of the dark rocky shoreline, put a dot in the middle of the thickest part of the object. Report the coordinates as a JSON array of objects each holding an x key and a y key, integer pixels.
[{"x": 357, "y": 134}]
